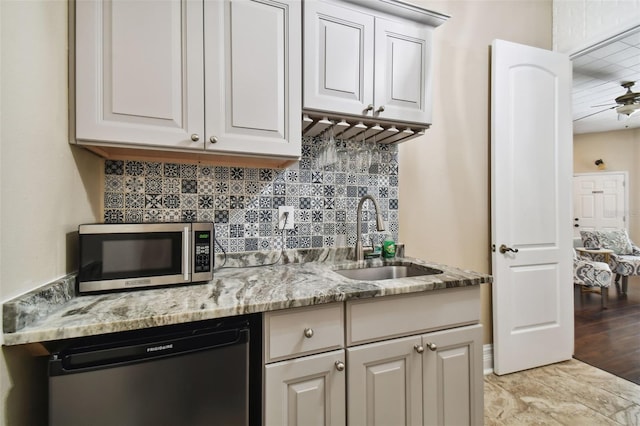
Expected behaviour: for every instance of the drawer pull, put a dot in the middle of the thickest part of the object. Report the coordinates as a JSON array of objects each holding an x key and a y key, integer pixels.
[
  {"x": 308, "y": 333},
  {"x": 339, "y": 365},
  {"x": 432, "y": 346},
  {"x": 419, "y": 348}
]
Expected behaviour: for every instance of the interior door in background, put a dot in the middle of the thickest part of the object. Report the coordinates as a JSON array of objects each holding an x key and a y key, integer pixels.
[
  {"x": 531, "y": 169},
  {"x": 600, "y": 201}
]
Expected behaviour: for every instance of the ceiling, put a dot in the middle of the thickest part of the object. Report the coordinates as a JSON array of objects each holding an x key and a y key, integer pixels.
[{"x": 597, "y": 76}]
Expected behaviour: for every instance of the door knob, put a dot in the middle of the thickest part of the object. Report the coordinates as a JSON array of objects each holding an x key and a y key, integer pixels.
[
  {"x": 308, "y": 333},
  {"x": 432, "y": 346},
  {"x": 503, "y": 249},
  {"x": 213, "y": 139},
  {"x": 380, "y": 109},
  {"x": 339, "y": 365},
  {"x": 419, "y": 348},
  {"x": 369, "y": 108},
  {"x": 195, "y": 137}
]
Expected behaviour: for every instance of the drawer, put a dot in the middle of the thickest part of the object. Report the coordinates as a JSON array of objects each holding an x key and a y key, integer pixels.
[
  {"x": 374, "y": 319},
  {"x": 301, "y": 331}
]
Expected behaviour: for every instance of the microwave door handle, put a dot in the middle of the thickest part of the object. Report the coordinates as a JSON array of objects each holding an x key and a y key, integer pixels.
[{"x": 186, "y": 267}]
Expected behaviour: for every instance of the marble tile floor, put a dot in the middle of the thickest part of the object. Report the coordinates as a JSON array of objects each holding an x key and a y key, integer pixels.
[{"x": 567, "y": 393}]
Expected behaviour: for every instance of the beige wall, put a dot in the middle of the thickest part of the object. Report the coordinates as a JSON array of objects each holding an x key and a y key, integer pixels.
[
  {"x": 620, "y": 151},
  {"x": 444, "y": 176},
  {"x": 46, "y": 186}
]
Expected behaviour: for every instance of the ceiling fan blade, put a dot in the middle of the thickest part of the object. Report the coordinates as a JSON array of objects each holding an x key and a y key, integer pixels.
[{"x": 592, "y": 114}]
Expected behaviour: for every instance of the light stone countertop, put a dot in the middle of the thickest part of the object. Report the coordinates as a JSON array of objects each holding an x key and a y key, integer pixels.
[{"x": 301, "y": 278}]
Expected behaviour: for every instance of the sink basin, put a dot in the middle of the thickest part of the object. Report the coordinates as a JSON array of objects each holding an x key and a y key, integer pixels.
[{"x": 387, "y": 272}]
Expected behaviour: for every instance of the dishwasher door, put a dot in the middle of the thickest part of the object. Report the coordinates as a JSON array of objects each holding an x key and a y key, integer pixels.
[{"x": 196, "y": 377}]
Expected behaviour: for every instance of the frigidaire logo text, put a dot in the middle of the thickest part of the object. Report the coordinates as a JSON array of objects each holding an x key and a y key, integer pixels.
[{"x": 160, "y": 348}]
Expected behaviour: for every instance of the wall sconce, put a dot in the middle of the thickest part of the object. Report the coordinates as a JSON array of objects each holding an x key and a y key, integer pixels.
[{"x": 600, "y": 164}]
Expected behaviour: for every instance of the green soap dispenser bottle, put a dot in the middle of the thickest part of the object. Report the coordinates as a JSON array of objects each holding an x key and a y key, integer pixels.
[{"x": 388, "y": 247}]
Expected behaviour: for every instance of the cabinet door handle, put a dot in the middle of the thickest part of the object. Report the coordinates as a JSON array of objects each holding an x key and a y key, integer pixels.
[
  {"x": 339, "y": 365},
  {"x": 432, "y": 346},
  {"x": 380, "y": 109},
  {"x": 213, "y": 139},
  {"x": 308, "y": 333},
  {"x": 369, "y": 108},
  {"x": 195, "y": 137},
  {"x": 419, "y": 348}
]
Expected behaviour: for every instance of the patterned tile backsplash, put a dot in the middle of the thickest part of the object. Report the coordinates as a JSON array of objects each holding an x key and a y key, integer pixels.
[{"x": 243, "y": 202}]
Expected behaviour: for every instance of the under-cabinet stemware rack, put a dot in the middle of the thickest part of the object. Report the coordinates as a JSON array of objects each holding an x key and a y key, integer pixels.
[{"x": 313, "y": 124}]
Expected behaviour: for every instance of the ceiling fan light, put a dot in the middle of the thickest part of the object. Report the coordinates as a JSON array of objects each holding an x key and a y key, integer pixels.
[{"x": 628, "y": 109}]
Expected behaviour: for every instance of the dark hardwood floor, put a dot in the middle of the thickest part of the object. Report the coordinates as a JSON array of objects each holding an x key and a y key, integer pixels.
[{"x": 609, "y": 339}]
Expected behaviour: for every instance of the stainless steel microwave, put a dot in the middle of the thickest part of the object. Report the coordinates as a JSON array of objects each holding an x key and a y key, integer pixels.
[{"x": 124, "y": 256}]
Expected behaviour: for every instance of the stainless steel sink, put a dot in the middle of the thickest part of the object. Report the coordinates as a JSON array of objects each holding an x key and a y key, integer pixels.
[{"x": 387, "y": 272}]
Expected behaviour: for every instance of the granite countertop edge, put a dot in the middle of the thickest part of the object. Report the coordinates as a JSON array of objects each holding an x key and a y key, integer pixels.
[{"x": 53, "y": 312}]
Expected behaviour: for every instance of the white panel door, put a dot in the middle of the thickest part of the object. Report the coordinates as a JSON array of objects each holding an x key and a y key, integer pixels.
[
  {"x": 453, "y": 385},
  {"x": 338, "y": 58},
  {"x": 599, "y": 201},
  {"x": 384, "y": 383},
  {"x": 402, "y": 77},
  {"x": 253, "y": 77},
  {"x": 139, "y": 72},
  {"x": 531, "y": 169},
  {"x": 305, "y": 391}
]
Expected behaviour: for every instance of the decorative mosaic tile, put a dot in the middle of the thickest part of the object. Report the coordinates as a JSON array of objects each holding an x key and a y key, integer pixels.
[
  {"x": 243, "y": 202},
  {"x": 134, "y": 184},
  {"x": 112, "y": 167}
]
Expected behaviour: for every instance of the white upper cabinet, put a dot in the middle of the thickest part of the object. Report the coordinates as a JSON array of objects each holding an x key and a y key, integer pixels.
[
  {"x": 403, "y": 71},
  {"x": 139, "y": 73},
  {"x": 370, "y": 60},
  {"x": 253, "y": 76},
  {"x": 220, "y": 77},
  {"x": 338, "y": 58}
]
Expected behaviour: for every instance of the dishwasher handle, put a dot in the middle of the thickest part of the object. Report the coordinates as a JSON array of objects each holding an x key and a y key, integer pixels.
[{"x": 117, "y": 354}]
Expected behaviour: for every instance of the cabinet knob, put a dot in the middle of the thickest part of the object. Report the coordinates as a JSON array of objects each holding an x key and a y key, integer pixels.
[
  {"x": 195, "y": 137},
  {"x": 380, "y": 109},
  {"x": 308, "y": 333},
  {"x": 339, "y": 365},
  {"x": 213, "y": 139},
  {"x": 419, "y": 348},
  {"x": 432, "y": 346},
  {"x": 369, "y": 108}
]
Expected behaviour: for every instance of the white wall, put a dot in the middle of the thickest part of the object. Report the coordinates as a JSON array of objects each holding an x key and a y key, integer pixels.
[
  {"x": 578, "y": 24},
  {"x": 47, "y": 187},
  {"x": 444, "y": 175}
]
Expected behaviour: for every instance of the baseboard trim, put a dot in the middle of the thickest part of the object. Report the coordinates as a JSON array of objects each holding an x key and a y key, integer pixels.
[{"x": 487, "y": 358}]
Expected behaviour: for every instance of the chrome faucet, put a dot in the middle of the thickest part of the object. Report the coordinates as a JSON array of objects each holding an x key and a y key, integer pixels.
[{"x": 379, "y": 224}]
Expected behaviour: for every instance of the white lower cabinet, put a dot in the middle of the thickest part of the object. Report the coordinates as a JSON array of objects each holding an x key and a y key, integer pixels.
[
  {"x": 306, "y": 391},
  {"x": 384, "y": 383},
  {"x": 452, "y": 377},
  {"x": 410, "y": 360}
]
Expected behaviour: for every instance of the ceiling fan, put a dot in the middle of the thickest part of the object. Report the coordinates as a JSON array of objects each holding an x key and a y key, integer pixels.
[
  {"x": 628, "y": 103},
  {"x": 625, "y": 105}
]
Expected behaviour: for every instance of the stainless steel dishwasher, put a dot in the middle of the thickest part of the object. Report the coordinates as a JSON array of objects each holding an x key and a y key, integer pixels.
[{"x": 204, "y": 373}]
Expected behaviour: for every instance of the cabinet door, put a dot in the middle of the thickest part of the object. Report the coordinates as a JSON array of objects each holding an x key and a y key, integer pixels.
[
  {"x": 384, "y": 383},
  {"x": 338, "y": 58},
  {"x": 139, "y": 72},
  {"x": 305, "y": 391},
  {"x": 452, "y": 376},
  {"x": 253, "y": 76},
  {"x": 403, "y": 71}
]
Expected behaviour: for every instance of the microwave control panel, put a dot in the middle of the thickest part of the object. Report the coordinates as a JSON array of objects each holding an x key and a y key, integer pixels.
[{"x": 203, "y": 249}]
